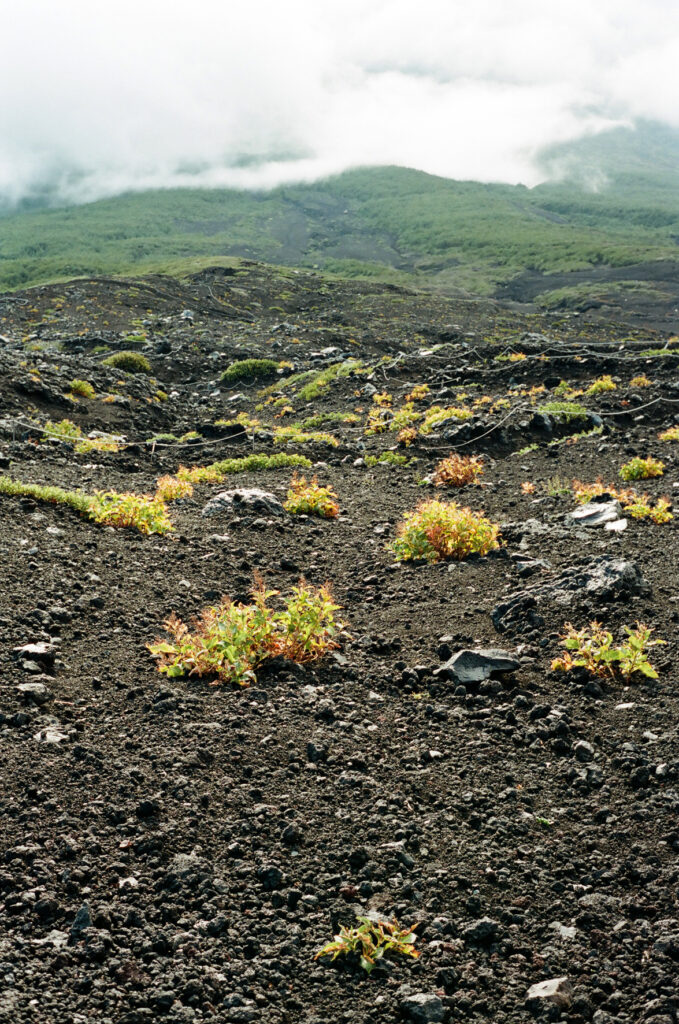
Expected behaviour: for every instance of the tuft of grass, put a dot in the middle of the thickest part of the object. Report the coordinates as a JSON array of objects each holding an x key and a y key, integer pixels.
[
  {"x": 311, "y": 499},
  {"x": 217, "y": 471},
  {"x": 144, "y": 512},
  {"x": 641, "y": 469},
  {"x": 322, "y": 380},
  {"x": 592, "y": 648},
  {"x": 82, "y": 388},
  {"x": 371, "y": 941},
  {"x": 438, "y": 530},
  {"x": 458, "y": 470},
  {"x": 230, "y": 641},
  {"x": 641, "y": 381},
  {"x": 250, "y": 369},
  {"x": 418, "y": 393},
  {"x": 130, "y": 362}
]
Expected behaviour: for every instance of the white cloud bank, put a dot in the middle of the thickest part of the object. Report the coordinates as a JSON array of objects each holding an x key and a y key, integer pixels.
[{"x": 97, "y": 99}]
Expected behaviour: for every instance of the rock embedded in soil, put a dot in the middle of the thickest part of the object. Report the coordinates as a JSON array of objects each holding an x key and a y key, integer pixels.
[
  {"x": 473, "y": 666},
  {"x": 251, "y": 499},
  {"x": 595, "y": 513},
  {"x": 558, "y": 991},
  {"x": 423, "y": 1008}
]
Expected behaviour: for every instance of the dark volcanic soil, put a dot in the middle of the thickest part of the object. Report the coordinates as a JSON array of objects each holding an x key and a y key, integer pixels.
[{"x": 183, "y": 850}]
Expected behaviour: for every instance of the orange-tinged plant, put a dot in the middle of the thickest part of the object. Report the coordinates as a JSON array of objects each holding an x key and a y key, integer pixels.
[
  {"x": 528, "y": 487},
  {"x": 406, "y": 436},
  {"x": 169, "y": 488},
  {"x": 311, "y": 499},
  {"x": 230, "y": 641},
  {"x": 437, "y": 530},
  {"x": 419, "y": 392},
  {"x": 458, "y": 470},
  {"x": 146, "y": 512}
]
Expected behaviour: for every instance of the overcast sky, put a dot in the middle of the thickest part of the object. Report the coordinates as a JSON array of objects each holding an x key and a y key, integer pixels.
[{"x": 102, "y": 97}]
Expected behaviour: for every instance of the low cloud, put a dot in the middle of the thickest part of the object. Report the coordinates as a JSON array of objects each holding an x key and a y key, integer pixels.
[{"x": 103, "y": 99}]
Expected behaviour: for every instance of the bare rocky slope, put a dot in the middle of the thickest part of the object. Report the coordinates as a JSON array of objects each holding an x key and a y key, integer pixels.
[{"x": 177, "y": 851}]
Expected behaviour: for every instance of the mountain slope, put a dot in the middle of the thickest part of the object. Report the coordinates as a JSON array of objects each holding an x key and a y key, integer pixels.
[{"x": 393, "y": 224}]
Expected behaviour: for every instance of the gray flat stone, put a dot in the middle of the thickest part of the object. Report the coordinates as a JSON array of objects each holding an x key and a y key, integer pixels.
[{"x": 473, "y": 666}]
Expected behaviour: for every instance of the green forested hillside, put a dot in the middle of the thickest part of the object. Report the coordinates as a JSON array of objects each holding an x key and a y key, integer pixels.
[{"x": 617, "y": 206}]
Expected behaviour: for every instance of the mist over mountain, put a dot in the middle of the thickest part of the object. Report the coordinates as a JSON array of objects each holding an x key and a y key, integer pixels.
[{"x": 138, "y": 96}]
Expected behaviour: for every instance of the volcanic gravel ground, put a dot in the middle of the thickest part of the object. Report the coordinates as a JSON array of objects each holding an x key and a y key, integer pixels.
[{"x": 183, "y": 850}]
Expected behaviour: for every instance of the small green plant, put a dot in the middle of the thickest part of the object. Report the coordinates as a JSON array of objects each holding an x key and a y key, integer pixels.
[
  {"x": 82, "y": 388},
  {"x": 565, "y": 412},
  {"x": 250, "y": 369},
  {"x": 216, "y": 472},
  {"x": 311, "y": 499},
  {"x": 169, "y": 488},
  {"x": 436, "y": 416},
  {"x": 293, "y": 435},
  {"x": 458, "y": 470},
  {"x": 230, "y": 641},
  {"x": 371, "y": 941},
  {"x": 601, "y": 384},
  {"x": 642, "y": 508},
  {"x": 671, "y": 434},
  {"x": 592, "y": 648},
  {"x": 312, "y": 422},
  {"x": 130, "y": 362},
  {"x": 641, "y": 381},
  {"x": 70, "y": 433},
  {"x": 144, "y": 512},
  {"x": 641, "y": 469},
  {"x": 437, "y": 530},
  {"x": 387, "y": 459},
  {"x": 557, "y": 487}
]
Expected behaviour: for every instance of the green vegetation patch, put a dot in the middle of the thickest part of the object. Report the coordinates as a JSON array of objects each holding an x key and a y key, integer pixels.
[
  {"x": 130, "y": 362},
  {"x": 250, "y": 369}
]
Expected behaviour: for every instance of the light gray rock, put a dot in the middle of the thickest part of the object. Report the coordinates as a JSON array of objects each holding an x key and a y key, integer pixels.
[
  {"x": 243, "y": 499},
  {"x": 595, "y": 513},
  {"x": 34, "y": 693},
  {"x": 558, "y": 991}
]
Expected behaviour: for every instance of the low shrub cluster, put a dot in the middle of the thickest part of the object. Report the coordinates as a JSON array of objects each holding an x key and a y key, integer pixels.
[
  {"x": 130, "y": 362},
  {"x": 230, "y": 641},
  {"x": 311, "y": 499},
  {"x": 216, "y": 472},
  {"x": 437, "y": 530},
  {"x": 591, "y": 648},
  {"x": 250, "y": 369},
  {"x": 458, "y": 470},
  {"x": 642, "y": 469},
  {"x": 82, "y": 388},
  {"x": 146, "y": 513}
]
